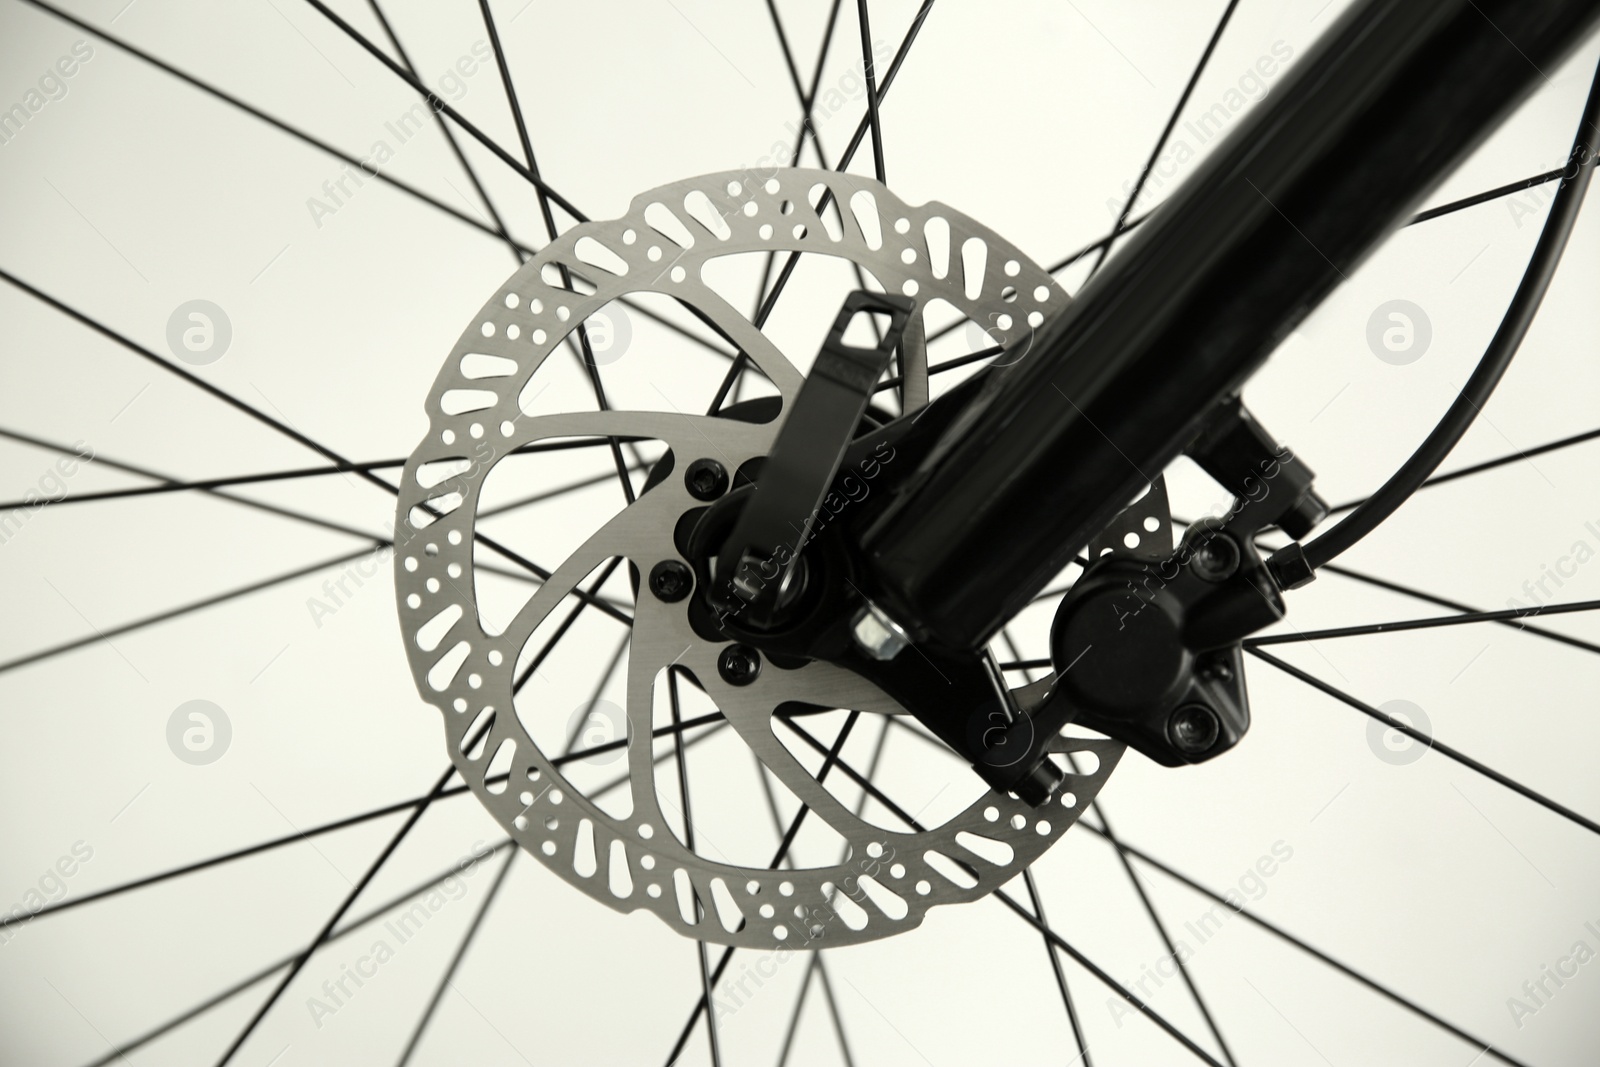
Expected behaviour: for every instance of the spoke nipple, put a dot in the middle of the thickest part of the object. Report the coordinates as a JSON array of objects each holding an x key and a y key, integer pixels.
[
  {"x": 706, "y": 479},
  {"x": 671, "y": 580},
  {"x": 739, "y": 664}
]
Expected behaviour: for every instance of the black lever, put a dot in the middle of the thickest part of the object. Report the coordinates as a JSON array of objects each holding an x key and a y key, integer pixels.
[{"x": 756, "y": 564}]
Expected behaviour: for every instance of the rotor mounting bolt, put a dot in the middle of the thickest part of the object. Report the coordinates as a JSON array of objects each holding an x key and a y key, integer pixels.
[
  {"x": 706, "y": 479},
  {"x": 739, "y": 664},
  {"x": 1216, "y": 558},
  {"x": 1193, "y": 729},
  {"x": 671, "y": 580}
]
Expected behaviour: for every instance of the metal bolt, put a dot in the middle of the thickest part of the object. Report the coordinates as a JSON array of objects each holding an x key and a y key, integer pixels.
[
  {"x": 1193, "y": 729},
  {"x": 739, "y": 664},
  {"x": 878, "y": 635},
  {"x": 1216, "y": 558},
  {"x": 706, "y": 479},
  {"x": 671, "y": 580}
]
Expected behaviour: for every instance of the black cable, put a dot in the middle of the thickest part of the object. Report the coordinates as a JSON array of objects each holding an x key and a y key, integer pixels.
[{"x": 1496, "y": 358}]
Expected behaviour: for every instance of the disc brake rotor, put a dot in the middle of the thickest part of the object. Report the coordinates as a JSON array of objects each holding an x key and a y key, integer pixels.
[{"x": 466, "y": 671}]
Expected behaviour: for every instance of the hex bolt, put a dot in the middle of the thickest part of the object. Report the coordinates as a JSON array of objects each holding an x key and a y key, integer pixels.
[
  {"x": 1216, "y": 558},
  {"x": 671, "y": 580},
  {"x": 1193, "y": 729},
  {"x": 706, "y": 479},
  {"x": 739, "y": 664}
]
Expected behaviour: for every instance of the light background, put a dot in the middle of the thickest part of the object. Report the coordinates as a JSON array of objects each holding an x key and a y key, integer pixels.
[{"x": 135, "y": 193}]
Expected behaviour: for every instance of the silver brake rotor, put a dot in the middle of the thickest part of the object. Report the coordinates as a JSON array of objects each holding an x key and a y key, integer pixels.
[{"x": 660, "y": 246}]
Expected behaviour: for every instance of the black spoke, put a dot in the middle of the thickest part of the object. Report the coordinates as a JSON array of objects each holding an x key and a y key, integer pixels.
[
  {"x": 438, "y": 105},
  {"x": 830, "y": 760},
  {"x": 1053, "y": 937},
  {"x": 1061, "y": 975},
  {"x": 807, "y": 99},
  {"x": 172, "y": 485},
  {"x": 566, "y": 624},
  {"x": 1277, "y": 931},
  {"x": 455, "y": 961},
  {"x": 1507, "y": 615},
  {"x": 268, "y": 971},
  {"x": 1487, "y": 465},
  {"x": 688, "y": 841},
  {"x": 872, "y": 91},
  {"x": 1423, "y": 738},
  {"x": 815, "y": 966},
  {"x": 1424, "y": 216},
  {"x": 793, "y": 258},
  {"x": 376, "y": 172},
  {"x": 949, "y": 364},
  {"x": 585, "y": 352},
  {"x": 449, "y": 136},
  {"x": 713, "y": 719},
  {"x": 1161, "y": 142},
  {"x": 350, "y": 898},
  {"x": 178, "y": 612},
  {"x": 1453, "y": 605},
  {"x": 261, "y": 416}
]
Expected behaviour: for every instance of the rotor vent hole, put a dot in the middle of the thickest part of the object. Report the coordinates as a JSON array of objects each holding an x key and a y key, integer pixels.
[
  {"x": 444, "y": 669},
  {"x": 461, "y": 401},
  {"x": 953, "y": 871},
  {"x": 432, "y": 633},
  {"x": 852, "y": 914},
  {"x": 477, "y": 735},
  {"x": 700, "y": 208},
  {"x": 583, "y": 858},
  {"x": 688, "y": 903},
  {"x": 864, "y": 209},
  {"x": 728, "y": 910},
  {"x": 996, "y": 852},
  {"x": 598, "y": 255},
  {"x": 885, "y": 899},
  {"x": 663, "y": 221},
  {"x": 974, "y": 262},
  {"x": 435, "y": 471},
  {"x": 936, "y": 234},
  {"x": 621, "y": 879},
  {"x": 497, "y": 776}
]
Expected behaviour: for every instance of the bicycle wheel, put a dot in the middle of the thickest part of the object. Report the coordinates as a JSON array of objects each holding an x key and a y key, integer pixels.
[{"x": 248, "y": 245}]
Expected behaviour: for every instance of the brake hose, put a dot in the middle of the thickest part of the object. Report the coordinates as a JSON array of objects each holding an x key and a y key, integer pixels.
[{"x": 1496, "y": 358}]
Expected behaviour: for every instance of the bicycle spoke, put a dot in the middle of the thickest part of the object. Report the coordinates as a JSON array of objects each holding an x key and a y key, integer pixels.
[
  {"x": 439, "y": 105},
  {"x": 450, "y": 138},
  {"x": 455, "y": 961},
  {"x": 1315, "y": 953},
  {"x": 807, "y": 100},
  {"x": 179, "y": 612},
  {"x": 356, "y": 820},
  {"x": 344, "y": 906},
  {"x": 789, "y": 263},
  {"x": 1417, "y": 735},
  {"x": 1422, "y": 216},
  {"x": 1487, "y": 465},
  {"x": 1506, "y": 615},
  {"x": 256, "y": 413},
  {"x": 830, "y": 760},
  {"x": 872, "y": 91},
  {"x": 173, "y": 485},
  {"x": 1061, "y": 975},
  {"x": 1054, "y": 938},
  {"x": 688, "y": 841},
  {"x": 816, "y": 965},
  {"x": 1161, "y": 142},
  {"x": 268, "y": 971}
]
